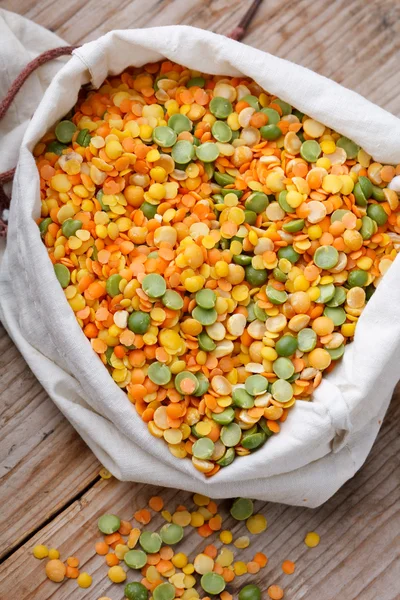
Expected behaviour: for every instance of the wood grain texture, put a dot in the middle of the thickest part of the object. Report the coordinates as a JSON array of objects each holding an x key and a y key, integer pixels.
[
  {"x": 356, "y": 559},
  {"x": 43, "y": 461},
  {"x": 47, "y": 470}
]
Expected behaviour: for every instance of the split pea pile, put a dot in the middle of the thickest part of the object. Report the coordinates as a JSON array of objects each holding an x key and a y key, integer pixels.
[
  {"x": 217, "y": 247},
  {"x": 168, "y": 574}
]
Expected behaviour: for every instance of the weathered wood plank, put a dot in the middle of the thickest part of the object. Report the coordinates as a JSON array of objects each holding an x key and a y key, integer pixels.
[
  {"x": 356, "y": 43},
  {"x": 43, "y": 461},
  {"x": 360, "y": 523}
]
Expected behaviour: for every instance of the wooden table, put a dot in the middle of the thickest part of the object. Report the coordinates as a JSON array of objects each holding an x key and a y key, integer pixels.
[{"x": 51, "y": 491}]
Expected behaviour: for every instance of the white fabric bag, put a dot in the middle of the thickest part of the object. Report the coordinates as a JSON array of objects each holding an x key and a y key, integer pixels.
[{"x": 322, "y": 443}]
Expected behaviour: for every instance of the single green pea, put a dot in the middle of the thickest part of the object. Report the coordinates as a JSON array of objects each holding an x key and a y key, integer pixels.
[
  {"x": 223, "y": 179},
  {"x": 250, "y": 592},
  {"x": 242, "y": 399},
  {"x": 83, "y": 138},
  {"x": 369, "y": 291},
  {"x": 150, "y": 541},
  {"x": 283, "y": 202},
  {"x": 196, "y": 81},
  {"x": 361, "y": 200},
  {"x": 272, "y": 114},
  {"x": 183, "y": 152},
  {"x": 357, "y": 278},
  {"x": 108, "y": 353},
  {"x": 270, "y": 132},
  {"x": 203, "y": 384},
  {"x": 310, "y": 150},
  {"x": 326, "y": 257},
  {"x": 286, "y": 345},
  {"x": 56, "y": 147},
  {"x": 179, "y": 123},
  {"x": 336, "y": 353},
  {"x": 307, "y": 340},
  {"x": 70, "y": 227},
  {"x": 276, "y": 296},
  {"x": 251, "y": 312},
  {"x": 294, "y": 226},
  {"x": 65, "y": 131},
  {"x": 225, "y": 417},
  {"x": 44, "y": 225},
  {"x": 289, "y": 253},
  {"x": 204, "y": 316},
  {"x": 368, "y": 227},
  {"x": 206, "y": 298},
  {"x": 139, "y": 322},
  {"x": 209, "y": 169},
  {"x": 222, "y": 132},
  {"x": 212, "y": 583},
  {"x": 254, "y": 441},
  {"x": 256, "y": 385},
  {"x": 207, "y": 152},
  {"x": 231, "y": 435},
  {"x": 251, "y": 101},
  {"x": 220, "y": 107},
  {"x": 149, "y": 210},
  {"x": 257, "y": 202},
  {"x": 337, "y": 315},
  {"x": 164, "y": 136},
  {"x": 377, "y": 213},
  {"x": 338, "y": 298},
  {"x": 298, "y": 114},
  {"x": 283, "y": 368},
  {"x": 260, "y": 313},
  {"x": 326, "y": 293},
  {"x": 282, "y": 390},
  {"x": 136, "y": 591},
  {"x": 256, "y": 277},
  {"x": 250, "y": 217},
  {"x": 159, "y": 373},
  {"x": 348, "y": 146},
  {"x": 185, "y": 375},
  {"x": 112, "y": 285},
  {"x": 285, "y": 107},
  {"x": 279, "y": 275},
  {"x": 154, "y": 285},
  {"x": 228, "y": 458},
  {"x": 377, "y": 193},
  {"x": 172, "y": 300},
  {"x": 99, "y": 197},
  {"x": 203, "y": 448},
  {"x": 205, "y": 342},
  {"x": 63, "y": 275},
  {"x": 242, "y": 259},
  {"x": 109, "y": 524},
  {"x": 171, "y": 533},
  {"x": 366, "y": 186},
  {"x": 164, "y": 591},
  {"x": 135, "y": 559},
  {"x": 242, "y": 509}
]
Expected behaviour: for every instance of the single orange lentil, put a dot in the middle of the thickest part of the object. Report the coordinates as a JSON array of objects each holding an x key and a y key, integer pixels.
[
  {"x": 288, "y": 567},
  {"x": 101, "y": 548},
  {"x": 142, "y": 516},
  {"x": 112, "y": 560},
  {"x": 156, "y": 503},
  {"x": 275, "y": 592}
]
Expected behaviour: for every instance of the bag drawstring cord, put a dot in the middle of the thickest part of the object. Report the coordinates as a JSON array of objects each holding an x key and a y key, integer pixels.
[{"x": 237, "y": 34}]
